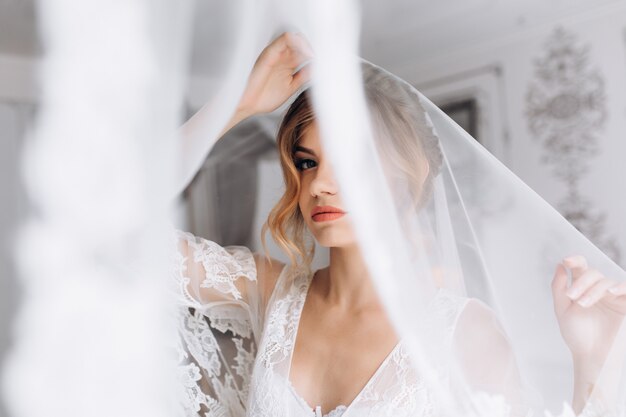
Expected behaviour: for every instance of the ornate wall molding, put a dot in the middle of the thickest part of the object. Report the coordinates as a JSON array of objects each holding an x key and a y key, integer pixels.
[{"x": 566, "y": 111}]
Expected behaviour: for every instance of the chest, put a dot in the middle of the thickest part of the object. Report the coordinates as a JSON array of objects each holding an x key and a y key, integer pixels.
[
  {"x": 312, "y": 359},
  {"x": 335, "y": 354}
]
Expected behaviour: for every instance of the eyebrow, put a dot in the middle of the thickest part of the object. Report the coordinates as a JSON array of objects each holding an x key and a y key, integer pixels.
[{"x": 305, "y": 150}]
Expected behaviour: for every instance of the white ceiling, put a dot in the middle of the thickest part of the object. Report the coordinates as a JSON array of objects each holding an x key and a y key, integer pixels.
[
  {"x": 429, "y": 28},
  {"x": 391, "y": 29}
]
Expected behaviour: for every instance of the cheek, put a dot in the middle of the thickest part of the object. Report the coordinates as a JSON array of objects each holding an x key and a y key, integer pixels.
[
  {"x": 305, "y": 186},
  {"x": 304, "y": 196}
]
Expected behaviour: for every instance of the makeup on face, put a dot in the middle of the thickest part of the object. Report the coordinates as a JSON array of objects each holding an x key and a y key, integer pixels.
[
  {"x": 320, "y": 213},
  {"x": 303, "y": 163},
  {"x": 326, "y": 213}
]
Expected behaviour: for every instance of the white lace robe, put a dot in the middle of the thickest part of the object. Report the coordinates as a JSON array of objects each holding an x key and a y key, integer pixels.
[{"x": 236, "y": 347}]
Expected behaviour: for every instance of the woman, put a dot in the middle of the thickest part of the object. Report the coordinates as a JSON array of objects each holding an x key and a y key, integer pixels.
[{"x": 280, "y": 339}]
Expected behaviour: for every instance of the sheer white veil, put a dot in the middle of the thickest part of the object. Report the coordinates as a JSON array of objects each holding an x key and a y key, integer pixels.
[
  {"x": 433, "y": 211},
  {"x": 486, "y": 236},
  {"x": 471, "y": 228}
]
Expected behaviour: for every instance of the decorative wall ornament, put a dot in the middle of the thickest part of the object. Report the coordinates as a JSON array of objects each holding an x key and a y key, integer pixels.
[{"x": 566, "y": 110}]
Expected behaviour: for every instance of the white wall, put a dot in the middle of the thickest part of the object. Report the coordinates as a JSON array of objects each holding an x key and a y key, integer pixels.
[
  {"x": 499, "y": 73},
  {"x": 18, "y": 92}
]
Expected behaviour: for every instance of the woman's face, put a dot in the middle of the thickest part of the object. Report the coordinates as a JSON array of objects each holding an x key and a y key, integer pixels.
[{"x": 320, "y": 200}]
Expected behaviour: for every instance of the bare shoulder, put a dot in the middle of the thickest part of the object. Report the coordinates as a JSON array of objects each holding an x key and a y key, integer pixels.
[
  {"x": 268, "y": 271},
  {"x": 481, "y": 322},
  {"x": 483, "y": 346}
]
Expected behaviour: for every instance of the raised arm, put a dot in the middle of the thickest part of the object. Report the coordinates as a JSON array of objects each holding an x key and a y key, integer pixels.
[
  {"x": 209, "y": 272},
  {"x": 279, "y": 71}
]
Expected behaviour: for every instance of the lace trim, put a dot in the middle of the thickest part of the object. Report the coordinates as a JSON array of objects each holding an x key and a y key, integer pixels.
[
  {"x": 279, "y": 333},
  {"x": 222, "y": 265},
  {"x": 282, "y": 322},
  {"x": 216, "y": 359},
  {"x": 228, "y": 318},
  {"x": 407, "y": 395},
  {"x": 337, "y": 412},
  {"x": 217, "y": 382},
  {"x": 315, "y": 412}
]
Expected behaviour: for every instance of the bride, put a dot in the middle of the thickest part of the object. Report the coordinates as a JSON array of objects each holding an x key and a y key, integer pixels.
[{"x": 263, "y": 338}]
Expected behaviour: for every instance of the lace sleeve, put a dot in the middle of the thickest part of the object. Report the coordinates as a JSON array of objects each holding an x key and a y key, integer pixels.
[
  {"x": 208, "y": 272},
  {"x": 220, "y": 321}
]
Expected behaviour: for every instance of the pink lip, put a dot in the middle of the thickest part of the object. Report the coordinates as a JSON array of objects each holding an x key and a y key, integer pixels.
[{"x": 325, "y": 213}]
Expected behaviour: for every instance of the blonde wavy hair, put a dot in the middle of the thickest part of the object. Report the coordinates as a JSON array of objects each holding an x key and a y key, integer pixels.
[
  {"x": 402, "y": 135},
  {"x": 285, "y": 221}
]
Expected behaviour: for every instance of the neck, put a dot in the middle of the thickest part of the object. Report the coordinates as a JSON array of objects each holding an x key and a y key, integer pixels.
[{"x": 346, "y": 282}]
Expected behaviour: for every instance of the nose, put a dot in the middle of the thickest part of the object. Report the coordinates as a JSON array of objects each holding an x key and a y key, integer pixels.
[{"x": 324, "y": 181}]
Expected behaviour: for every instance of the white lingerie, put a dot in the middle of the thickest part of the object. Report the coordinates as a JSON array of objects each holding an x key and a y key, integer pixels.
[{"x": 236, "y": 348}]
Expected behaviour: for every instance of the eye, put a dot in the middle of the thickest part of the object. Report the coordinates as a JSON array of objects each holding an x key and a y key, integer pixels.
[{"x": 304, "y": 164}]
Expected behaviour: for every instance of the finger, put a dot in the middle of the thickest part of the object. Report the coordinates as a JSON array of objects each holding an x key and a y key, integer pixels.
[
  {"x": 301, "y": 77},
  {"x": 619, "y": 289},
  {"x": 296, "y": 58},
  {"x": 272, "y": 52},
  {"x": 583, "y": 283},
  {"x": 298, "y": 43},
  {"x": 594, "y": 294},
  {"x": 619, "y": 302},
  {"x": 577, "y": 265},
  {"x": 288, "y": 51},
  {"x": 559, "y": 288}
]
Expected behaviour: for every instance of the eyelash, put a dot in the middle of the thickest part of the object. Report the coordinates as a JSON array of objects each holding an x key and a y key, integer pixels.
[{"x": 300, "y": 162}]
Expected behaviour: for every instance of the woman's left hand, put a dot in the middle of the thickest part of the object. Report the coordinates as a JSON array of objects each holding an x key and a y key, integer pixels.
[
  {"x": 273, "y": 78},
  {"x": 590, "y": 311}
]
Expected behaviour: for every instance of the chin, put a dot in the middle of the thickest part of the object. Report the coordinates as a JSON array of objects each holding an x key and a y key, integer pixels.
[{"x": 333, "y": 239}]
